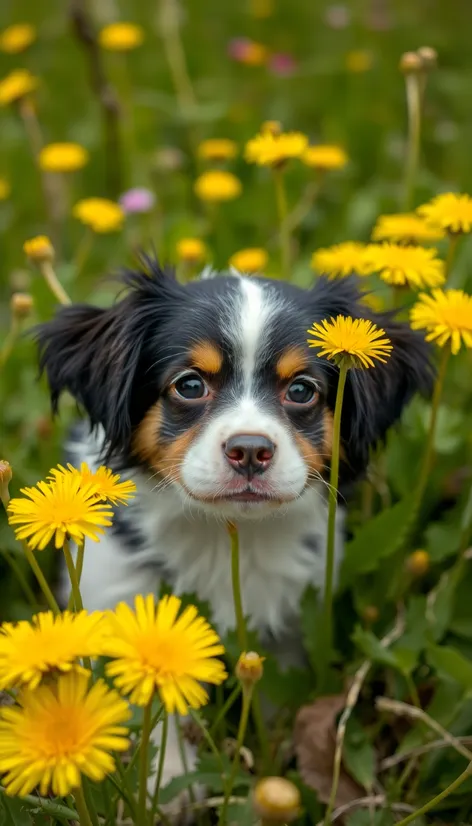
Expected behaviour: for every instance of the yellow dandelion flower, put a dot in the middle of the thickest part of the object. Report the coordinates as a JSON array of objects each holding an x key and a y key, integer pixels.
[
  {"x": 358, "y": 61},
  {"x": 217, "y": 185},
  {"x": 451, "y": 212},
  {"x": 446, "y": 316},
  {"x": 63, "y": 157},
  {"x": 100, "y": 214},
  {"x": 325, "y": 156},
  {"x": 121, "y": 37},
  {"x": 17, "y": 38},
  {"x": 250, "y": 52},
  {"x": 59, "y": 732},
  {"x": 29, "y": 650},
  {"x": 192, "y": 250},
  {"x": 416, "y": 267},
  {"x": 217, "y": 149},
  {"x": 356, "y": 339},
  {"x": 252, "y": 259},
  {"x": 4, "y": 189},
  {"x": 106, "y": 483},
  {"x": 17, "y": 85},
  {"x": 156, "y": 650},
  {"x": 406, "y": 227},
  {"x": 340, "y": 260},
  {"x": 272, "y": 149},
  {"x": 39, "y": 249},
  {"x": 60, "y": 509}
]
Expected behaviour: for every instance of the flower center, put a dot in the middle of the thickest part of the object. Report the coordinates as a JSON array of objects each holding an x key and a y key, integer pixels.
[{"x": 61, "y": 731}]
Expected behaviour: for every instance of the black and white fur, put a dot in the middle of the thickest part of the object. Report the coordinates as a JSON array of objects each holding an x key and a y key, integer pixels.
[{"x": 122, "y": 361}]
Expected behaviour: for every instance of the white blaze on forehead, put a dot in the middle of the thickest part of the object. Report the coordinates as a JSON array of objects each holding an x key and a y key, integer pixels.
[{"x": 256, "y": 307}]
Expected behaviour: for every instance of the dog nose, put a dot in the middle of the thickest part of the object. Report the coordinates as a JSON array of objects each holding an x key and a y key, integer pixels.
[{"x": 249, "y": 453}]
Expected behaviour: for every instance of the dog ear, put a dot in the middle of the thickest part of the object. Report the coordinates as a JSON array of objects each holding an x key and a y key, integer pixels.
[
  {"x": 374, "y": 398},
  {"x": 99, "y": 355}
]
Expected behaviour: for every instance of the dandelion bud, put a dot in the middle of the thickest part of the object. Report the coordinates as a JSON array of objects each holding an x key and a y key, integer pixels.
[
  {"x": 39, "y": 250},
  {"x": 370, "y": 614},
  {"x": 276, "y": 800},
  {"x": 169, "y": 159},
  {"x": 428, "y": 57},
  {"x": 411, "y": 63},
  {"x": 191, "y": 250},
  {"x": 418, "y": 563},
  {"x": 21, "y": 305},
  {"x": 249, "y": 669},
  {"x": 5, "y": 479},
  {"x": 271, "y": 127}
]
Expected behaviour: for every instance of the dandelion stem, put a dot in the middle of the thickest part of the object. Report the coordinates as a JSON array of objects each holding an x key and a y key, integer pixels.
[
  {"x": 41, "y": 579},
  {"x": 83, "y": 812},
  {"x": 282, "y": 209},
  {"x": 236, "y": 582},
  {"x": 429, "y": 451},
  {"x": 160, "y": 767},
  {"x": 225, "y": 708},
  {"x": 143, "y": 763},
  {"x": 261, "y": 731},
  {"x": 9, "y": 342},
  {"x": 413, "y": 100},
  {"x": 53, "y": 283},
  {"x": 79, "y": 562},
  {"x": 104, "y": 92},
  {"x": 451, "y": 252},
  {"x": 243, "y": 721},
  {"x": 16, "y": 568},
  {"x": 49, "y": 183},
  {"x": 439, "y": 797},
  {"x": 175, "y": 56},
  {"x": 73, "y": 577},
  {"x": 306, "y": 202},
  {"x": 333, "y": 501}
]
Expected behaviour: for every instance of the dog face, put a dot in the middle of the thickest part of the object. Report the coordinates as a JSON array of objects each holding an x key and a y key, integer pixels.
[{"x": 212, "y": 386}]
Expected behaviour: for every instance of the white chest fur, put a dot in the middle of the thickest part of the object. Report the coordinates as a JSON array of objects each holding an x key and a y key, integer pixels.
[{"x": 161, "y": 537}]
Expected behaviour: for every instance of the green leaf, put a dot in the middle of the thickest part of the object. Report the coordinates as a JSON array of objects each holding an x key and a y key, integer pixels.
[
  {"x": 441, "y": 601},
  {"x": 363, "y": 817},
  {"x": 450, "y": 663},
  {"x": 374, "y": 541},
  {"x": 359, "y": 755},
  {"x": 286, "y": 689},
  {"x": 370, "y": 645},
  {"x": 416, "y": 633},
  {"x": 214, "y": 780}
]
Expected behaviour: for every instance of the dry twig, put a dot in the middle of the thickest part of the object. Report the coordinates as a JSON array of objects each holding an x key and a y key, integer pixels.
[
  {"x": 351, "y": 700},
  {"x": 405, "y": 710},
  {"x": 371, "y": 801}
]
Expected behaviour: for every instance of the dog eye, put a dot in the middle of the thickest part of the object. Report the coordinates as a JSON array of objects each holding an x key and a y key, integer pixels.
[
  {"x": 191, "y": 387},
  {"x": 301, "y": 391}
]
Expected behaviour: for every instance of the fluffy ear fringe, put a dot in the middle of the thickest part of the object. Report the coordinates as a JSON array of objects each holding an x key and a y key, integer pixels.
[{"x": 94, "y": 354}]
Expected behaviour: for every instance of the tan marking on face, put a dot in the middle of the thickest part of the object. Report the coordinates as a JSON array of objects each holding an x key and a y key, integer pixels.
[
  {"x": 146, "y": 438},
  {"x": 292, "y": 361},
  {"x": 166, "y": 458},
  {"x": 207, "y": 357},
  {"x": 318, "y": 456}
]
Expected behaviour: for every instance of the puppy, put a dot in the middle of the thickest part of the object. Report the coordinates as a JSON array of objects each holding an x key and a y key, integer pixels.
[{"x": 207, "y": 395}]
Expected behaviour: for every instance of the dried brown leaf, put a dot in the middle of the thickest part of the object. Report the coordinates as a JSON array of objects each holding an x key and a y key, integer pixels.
[{"x": 314, "y": 739}]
